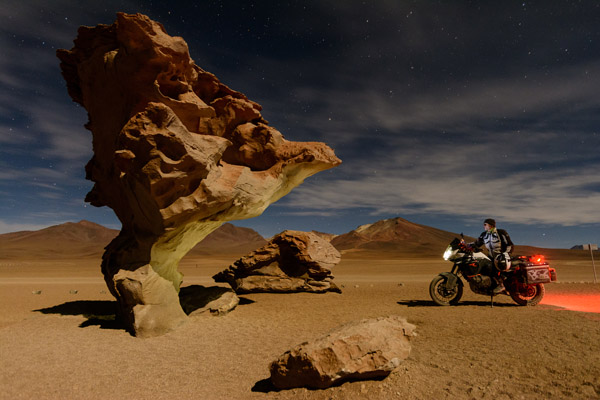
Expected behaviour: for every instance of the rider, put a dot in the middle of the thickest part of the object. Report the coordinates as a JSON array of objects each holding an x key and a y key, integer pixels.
[{"x": 499, "y": 247}]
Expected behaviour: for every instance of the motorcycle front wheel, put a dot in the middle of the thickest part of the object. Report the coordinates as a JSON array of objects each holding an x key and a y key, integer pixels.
[
  {"x": 527, "y": 295},
  {"x": 443, "y": 296}
]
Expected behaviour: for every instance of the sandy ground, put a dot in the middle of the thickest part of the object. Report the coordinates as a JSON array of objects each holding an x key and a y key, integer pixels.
[{"x": 63, "y": 342}]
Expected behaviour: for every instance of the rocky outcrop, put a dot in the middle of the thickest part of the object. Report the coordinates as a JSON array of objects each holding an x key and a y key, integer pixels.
[
  {"x": 176, "y": 152},
  {"x": 292, "y": 261},
  {"x": 361, "y": 350}
]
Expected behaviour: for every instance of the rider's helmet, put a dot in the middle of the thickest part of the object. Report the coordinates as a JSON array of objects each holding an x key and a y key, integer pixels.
[{"x": 502, "y": 261}]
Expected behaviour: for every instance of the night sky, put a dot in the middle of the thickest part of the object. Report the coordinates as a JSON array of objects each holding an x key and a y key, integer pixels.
[{"x": 443, "y": 112}]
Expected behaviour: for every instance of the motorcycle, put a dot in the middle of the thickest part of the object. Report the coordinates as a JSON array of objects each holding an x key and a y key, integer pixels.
[{"x": 524, "y": 277}]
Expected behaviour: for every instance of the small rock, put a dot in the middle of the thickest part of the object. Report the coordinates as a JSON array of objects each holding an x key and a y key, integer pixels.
[
  {"x": 73, "y": 291},
  {"x": 197, "y": 300},
  {"x": 36, "y": 292}
]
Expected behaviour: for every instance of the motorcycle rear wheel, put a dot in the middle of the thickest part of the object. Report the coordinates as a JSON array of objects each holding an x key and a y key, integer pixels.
[
  {"x": 527, "y": 295},
  {"x": 443, "y": 296}
]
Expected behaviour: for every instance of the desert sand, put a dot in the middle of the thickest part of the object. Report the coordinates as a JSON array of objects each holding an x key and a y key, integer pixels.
[{"x": 59, "y": 339}]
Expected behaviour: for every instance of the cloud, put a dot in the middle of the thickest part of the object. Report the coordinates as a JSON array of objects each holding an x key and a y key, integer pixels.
[
  {"x": 467, "y": 106},
  {"x": 10, "y": 135},
  {"x": 312, "y": 213},
  {"x": 459, "y": 181},
  {"x": 44, "y": 129},
  {"x": 526, "y": 198}
]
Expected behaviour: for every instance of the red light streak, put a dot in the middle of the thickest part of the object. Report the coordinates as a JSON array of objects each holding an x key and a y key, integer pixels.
[{"x": 574, "y": 302}]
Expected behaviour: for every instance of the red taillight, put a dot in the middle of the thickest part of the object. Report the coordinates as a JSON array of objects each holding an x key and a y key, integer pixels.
[{"x": 537, "y": 259}]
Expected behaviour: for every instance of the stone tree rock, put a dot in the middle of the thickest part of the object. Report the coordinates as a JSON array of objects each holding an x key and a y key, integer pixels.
[
  {"x": 361, "y": 350},
  {"x": 292, "y": 261},
  {"x": 176, "y": 154}
]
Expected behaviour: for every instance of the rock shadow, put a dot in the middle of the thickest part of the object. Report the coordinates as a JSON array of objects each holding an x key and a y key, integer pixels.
[
  {"x": 266, "y": 386},
  {"x": 194, "y": 297},
  {"x": 430, "y": 303},
  {"x": 102, "y": 313}
]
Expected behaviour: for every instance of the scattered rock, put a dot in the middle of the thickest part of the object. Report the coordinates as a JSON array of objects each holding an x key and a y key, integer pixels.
[
  {"x": 36, "y": 292},
  {"x": 176, "y": 154},
  {"x": 197, "y": 300},
  {"x": 73, "y": 291},
  {"x": 360, "y": 350},
  {"x": 292, "y": 261}
]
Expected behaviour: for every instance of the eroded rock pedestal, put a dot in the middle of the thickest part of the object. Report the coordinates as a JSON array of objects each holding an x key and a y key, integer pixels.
[
  {"x": 292, "y": 261},
  {"x": 176, "y": 154}
]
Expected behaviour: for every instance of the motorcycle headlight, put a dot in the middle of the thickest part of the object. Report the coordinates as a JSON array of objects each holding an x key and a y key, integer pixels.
[{"x": 447, "y": 253}]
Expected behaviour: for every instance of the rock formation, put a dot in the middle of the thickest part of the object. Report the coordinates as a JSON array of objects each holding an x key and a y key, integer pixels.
[
  {"x": 361, "y": 350},
  {"x": 292, "y": 261},
  {"x": 176, "y": 154}
]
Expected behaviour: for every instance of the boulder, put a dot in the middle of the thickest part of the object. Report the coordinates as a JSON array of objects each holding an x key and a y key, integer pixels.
[
  {"x": 360, "y": 350},
  {"x": 197, "y": 300},
  {"x": 292, "y": 261},
  {"x": 176, "y": 152}
]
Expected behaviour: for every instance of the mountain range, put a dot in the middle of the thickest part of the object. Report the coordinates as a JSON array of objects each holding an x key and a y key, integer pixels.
[
  {"x": 88, "y": 239},
  {"x": 390, "y": 237}
]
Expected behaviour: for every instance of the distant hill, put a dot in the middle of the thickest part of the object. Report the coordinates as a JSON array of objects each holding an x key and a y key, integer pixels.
[
  {"x": 88, "y": 239},
  {"x": 327, "y": 236},
  {"x": 391, "y": 237},
  {"x": 80, "y": 239},
  {"x": 395, "y": 235},
  {"x": 229, "y": 239}
]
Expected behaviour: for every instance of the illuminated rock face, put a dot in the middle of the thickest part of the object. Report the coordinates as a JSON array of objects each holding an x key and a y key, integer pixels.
[{"x": 176, "y": 152}]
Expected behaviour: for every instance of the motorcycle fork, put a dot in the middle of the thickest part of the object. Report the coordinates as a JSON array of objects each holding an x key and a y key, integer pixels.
[{"x": 454, "y": 268}]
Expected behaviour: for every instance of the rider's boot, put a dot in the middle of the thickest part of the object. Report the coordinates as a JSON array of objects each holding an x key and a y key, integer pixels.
[{"x": 500, "y": 285}]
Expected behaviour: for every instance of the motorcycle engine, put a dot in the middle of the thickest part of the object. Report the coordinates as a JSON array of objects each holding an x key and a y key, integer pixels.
[{"x": 480, "y": 284}]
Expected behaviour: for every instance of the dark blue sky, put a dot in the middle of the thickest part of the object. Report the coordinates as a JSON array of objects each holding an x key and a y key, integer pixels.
[{"x": 444, "y": 113}]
